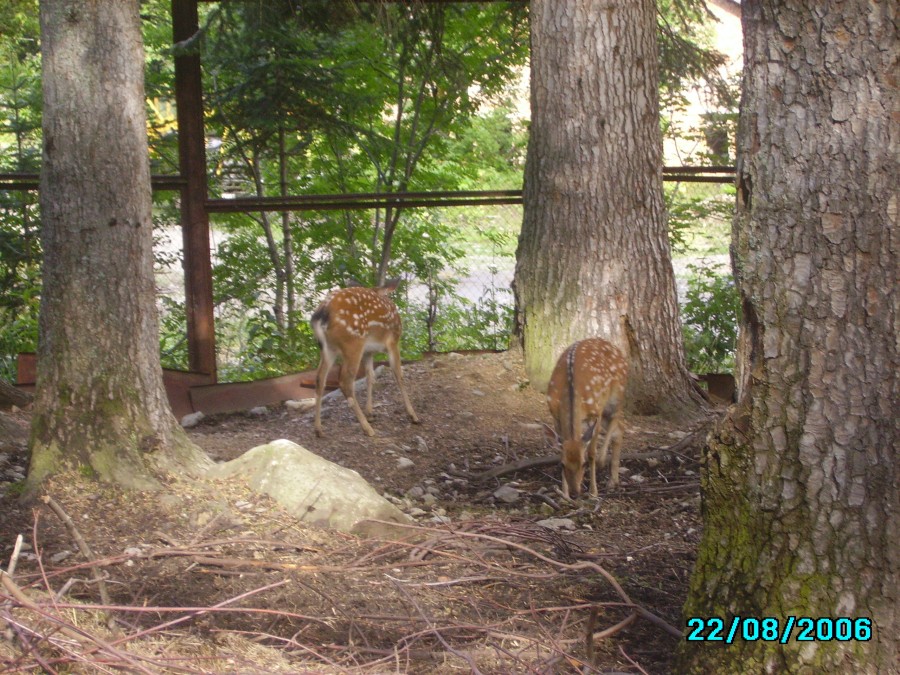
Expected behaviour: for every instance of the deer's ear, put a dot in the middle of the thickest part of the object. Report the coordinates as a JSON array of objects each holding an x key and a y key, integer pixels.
[
  {"x": 551, "y": 435},
  {"x": 589, "y": 433},
  {"x": 390, "y": 285}
]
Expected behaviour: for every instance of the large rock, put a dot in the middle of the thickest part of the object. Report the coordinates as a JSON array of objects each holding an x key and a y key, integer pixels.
[{"x": 313, "y": 489}]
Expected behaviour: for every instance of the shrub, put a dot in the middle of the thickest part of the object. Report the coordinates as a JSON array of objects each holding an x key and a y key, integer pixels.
[{"x": 710, "y": 317}]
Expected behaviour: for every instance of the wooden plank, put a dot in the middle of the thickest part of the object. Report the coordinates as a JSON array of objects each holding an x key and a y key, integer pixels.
[{"x": 236, "y": 396}]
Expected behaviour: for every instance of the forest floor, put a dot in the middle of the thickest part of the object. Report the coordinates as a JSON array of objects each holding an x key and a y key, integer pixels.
[{"x": 210, "y": 577}]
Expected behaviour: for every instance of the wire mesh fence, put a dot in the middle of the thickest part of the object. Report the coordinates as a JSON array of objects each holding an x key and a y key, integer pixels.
[
  {"x": 469, "y": 303},
  {"x": 457, "y": 262}
]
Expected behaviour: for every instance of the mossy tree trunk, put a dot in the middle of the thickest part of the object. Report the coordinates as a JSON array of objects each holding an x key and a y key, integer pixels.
[
  {"x": 100, "y": 403},
  {"x": 594, "y": 256},
  {"x": 800, "y": 486}
]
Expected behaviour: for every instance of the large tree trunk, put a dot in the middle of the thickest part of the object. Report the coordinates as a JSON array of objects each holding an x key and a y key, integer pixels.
[
  {"x": 594, "y": 256},
  {"x": 100, "y": 399},
  {"x": 800, "y": 487}
]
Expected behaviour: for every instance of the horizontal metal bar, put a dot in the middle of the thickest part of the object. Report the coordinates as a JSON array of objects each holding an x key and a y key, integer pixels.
[
  {"x": 18, "y": 187},
  {"x": 323, "y": 203},
  {"x": 689, "y": 174},
  {"x": 168, "y": 182},
  {"x": 692, "y": 178},
  {"x": 699, "y": 169},
  {"x": 27, "y": 182}
]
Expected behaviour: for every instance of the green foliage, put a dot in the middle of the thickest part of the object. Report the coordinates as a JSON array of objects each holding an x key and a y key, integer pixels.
[
  {"x": 20, "y": 151},
  {"x": 87, "y": 471},
  {"x": 490, "y": 149},
  {"x": 452, "y": 311},
  {"x": 15, "y": 490},
  {"x": 323, "y": 97},
  {"x": 710, "y": 316},
  {"x": 172, "y": 334},
  {"x": 255, "y": 346},
  {"x": 159, "y": 78},
  {"x": 699, "y": 217},
  {"x": 685, "y": 55}
]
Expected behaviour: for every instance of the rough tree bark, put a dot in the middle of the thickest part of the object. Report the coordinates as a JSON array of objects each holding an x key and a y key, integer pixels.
[
  {"x": 100, "y": 400},
  {"x": 594, "y": 256},
  {"x": 9, "y": 395},
  {"x": 800, "y": 488}
]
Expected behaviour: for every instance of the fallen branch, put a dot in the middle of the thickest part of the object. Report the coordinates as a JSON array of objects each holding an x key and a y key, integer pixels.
[
  {"x": 259, "y": 564},
  {"x": 81, "y": 637},
  {"x": 433, "y": 627},
  {"x": 550, "y": 460},
  {"x": 14, "y": 558},
  {"x": 573, "y": 567},
  {"x": 591, "y": 635},
  {"x": 82, "y": 546},
  {"x": 632, "y": 661}
]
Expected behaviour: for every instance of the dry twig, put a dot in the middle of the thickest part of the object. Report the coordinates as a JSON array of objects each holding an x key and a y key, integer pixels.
[{"x": 82, "y": 546}]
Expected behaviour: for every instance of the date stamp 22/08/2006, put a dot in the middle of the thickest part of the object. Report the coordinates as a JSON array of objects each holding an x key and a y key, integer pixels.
[{"x": 771, "y": 629}]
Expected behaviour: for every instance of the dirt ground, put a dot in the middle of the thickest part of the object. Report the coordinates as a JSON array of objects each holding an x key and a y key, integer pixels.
[{"x": 209, "y": 577}]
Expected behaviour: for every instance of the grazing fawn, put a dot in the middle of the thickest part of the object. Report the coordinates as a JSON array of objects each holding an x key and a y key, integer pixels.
[
  {"x": 354, "y": 323},
  {"x": 588, "y": 387}
]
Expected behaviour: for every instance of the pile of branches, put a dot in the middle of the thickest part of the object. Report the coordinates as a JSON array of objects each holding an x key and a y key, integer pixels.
[{"x": 46, "y": 631}]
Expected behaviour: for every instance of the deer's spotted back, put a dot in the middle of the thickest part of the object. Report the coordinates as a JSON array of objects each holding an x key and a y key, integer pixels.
[
  {"x": 357, "y": 311},
  {"x": 591, "y": 369},
  {"x": 599, "y": 367}
]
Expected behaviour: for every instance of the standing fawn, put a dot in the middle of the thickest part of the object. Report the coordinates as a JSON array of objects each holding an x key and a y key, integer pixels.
[
  {"x": 354, "y": 323},
  {"x": 588, "y": 387}
]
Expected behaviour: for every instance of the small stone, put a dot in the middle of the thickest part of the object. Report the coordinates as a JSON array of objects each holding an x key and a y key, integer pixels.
[
  {"x": 421, "y": 445},
  {"x": 478, "y": 392},
  {"x": 429, "y": 500},
  {"x": 258, "y": 411},
  {"x": 59, "y": 557},
  {"x": 192, "y": 420},
  {"x": 301, "y": 405},
  {"x": 132, "y": 550},
  {"x": 557, "y": 523},
  {"x": 405, "y": 463},
  {"x": 507, "y": 494},
  {"x": 415, "y": 492},
  {"x": 531, "y": 426},
  {"x": 638, "y": 478},
  {"x": 416, "y": 512}
]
